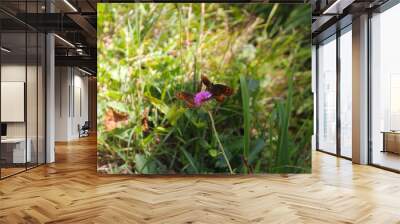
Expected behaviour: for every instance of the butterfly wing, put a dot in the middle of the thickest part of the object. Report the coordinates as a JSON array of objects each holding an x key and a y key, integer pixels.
[
  {"x": 187, "y": 98},
  {"x": 113, "y": 119},
  {"x": 227, "y": 91},
  {"x": 206, "y": 82},
  {"x": 118, "y": 116},
  {"x": 219, "y": 98},
  {"x": 219, "y": 89}
]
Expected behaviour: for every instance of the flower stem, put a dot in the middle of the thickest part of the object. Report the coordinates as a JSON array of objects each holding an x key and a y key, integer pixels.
[{"x": 219, "y": 143}]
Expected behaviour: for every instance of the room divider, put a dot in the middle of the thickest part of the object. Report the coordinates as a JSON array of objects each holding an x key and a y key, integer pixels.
[{"x": 22, "y": 77}]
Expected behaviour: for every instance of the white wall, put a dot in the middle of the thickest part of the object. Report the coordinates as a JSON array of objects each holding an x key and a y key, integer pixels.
[
  {"x": 13, "y": 73},
  {"x": 80, "y": 102},
  {"x": 71, "y": 94},
  {"x": 34, "y": 125},
  {"x": 62, "y": 81}
]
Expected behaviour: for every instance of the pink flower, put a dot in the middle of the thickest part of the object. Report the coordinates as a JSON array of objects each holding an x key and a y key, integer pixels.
[{"x": 201, "y": 97}]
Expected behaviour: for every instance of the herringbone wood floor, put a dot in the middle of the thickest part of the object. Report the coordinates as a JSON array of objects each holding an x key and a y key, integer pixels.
[{"x": 70, "y": 191}]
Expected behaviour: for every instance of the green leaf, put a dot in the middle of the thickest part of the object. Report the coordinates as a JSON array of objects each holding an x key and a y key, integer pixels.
[
  {"x": 213, "y": 153},
  {"x": 118, "y": 106},
  {"x": 157, "y": 103},
  {"x": 199, "y": 124},
  {"x": 174, "y": 113},
  {"x": 284, "y": 116},
  {"x": 160, "y": 129},
  {"x": 114, "y": 95},
  {"x": 254, "y": 154},
  {"x": 140, "y": 163},
  {"x": 190, "y": 159}
]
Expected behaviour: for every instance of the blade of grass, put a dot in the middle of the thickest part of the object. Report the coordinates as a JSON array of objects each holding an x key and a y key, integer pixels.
[
  {"x": 219, "y": 143},
  {"x": 271, "y": 15},
  {"x": 284, "y": 114},
  {"x": 246, "y": 116},
  {"x": 190, "y": 159}
]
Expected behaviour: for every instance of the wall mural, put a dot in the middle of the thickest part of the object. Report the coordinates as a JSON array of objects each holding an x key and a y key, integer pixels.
[{"x": 195, "y": 88}]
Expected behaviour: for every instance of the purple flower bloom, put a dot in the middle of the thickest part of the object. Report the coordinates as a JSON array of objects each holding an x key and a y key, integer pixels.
[{"x": 201, "y": 97}]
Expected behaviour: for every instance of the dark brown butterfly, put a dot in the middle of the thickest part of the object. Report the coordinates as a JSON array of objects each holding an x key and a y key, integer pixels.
[{"x": 219, "y": 91}]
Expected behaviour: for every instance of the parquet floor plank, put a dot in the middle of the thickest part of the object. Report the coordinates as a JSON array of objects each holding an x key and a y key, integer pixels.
[{"x": 71, "y": 191}]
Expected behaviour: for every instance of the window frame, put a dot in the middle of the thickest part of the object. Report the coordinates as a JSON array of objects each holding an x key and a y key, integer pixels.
[{"x": 339, "y": 32}]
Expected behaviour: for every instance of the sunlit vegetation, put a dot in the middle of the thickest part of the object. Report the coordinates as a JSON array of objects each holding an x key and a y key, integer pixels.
[{"x": 149, "y": 52}]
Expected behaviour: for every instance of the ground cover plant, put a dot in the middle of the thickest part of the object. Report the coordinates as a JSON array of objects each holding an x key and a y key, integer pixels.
[{"x": 151, "y": 60}]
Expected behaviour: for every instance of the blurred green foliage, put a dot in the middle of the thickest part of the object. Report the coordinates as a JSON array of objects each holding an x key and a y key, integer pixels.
[{"x": 147, "y": 52}]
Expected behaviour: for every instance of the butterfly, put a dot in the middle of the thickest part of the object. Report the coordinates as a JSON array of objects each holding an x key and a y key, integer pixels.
[
  {"x": 114, "y": 119},
  {"x": 219, "y": 91},
  {"x": 213, "y": 91}
]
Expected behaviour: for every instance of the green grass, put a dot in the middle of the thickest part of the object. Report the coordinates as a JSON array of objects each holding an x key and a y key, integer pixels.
[
  {"x": 149, "y": 52},
  {"x": 246, "y": 118},
  {"x": 219, "y": 143}
]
